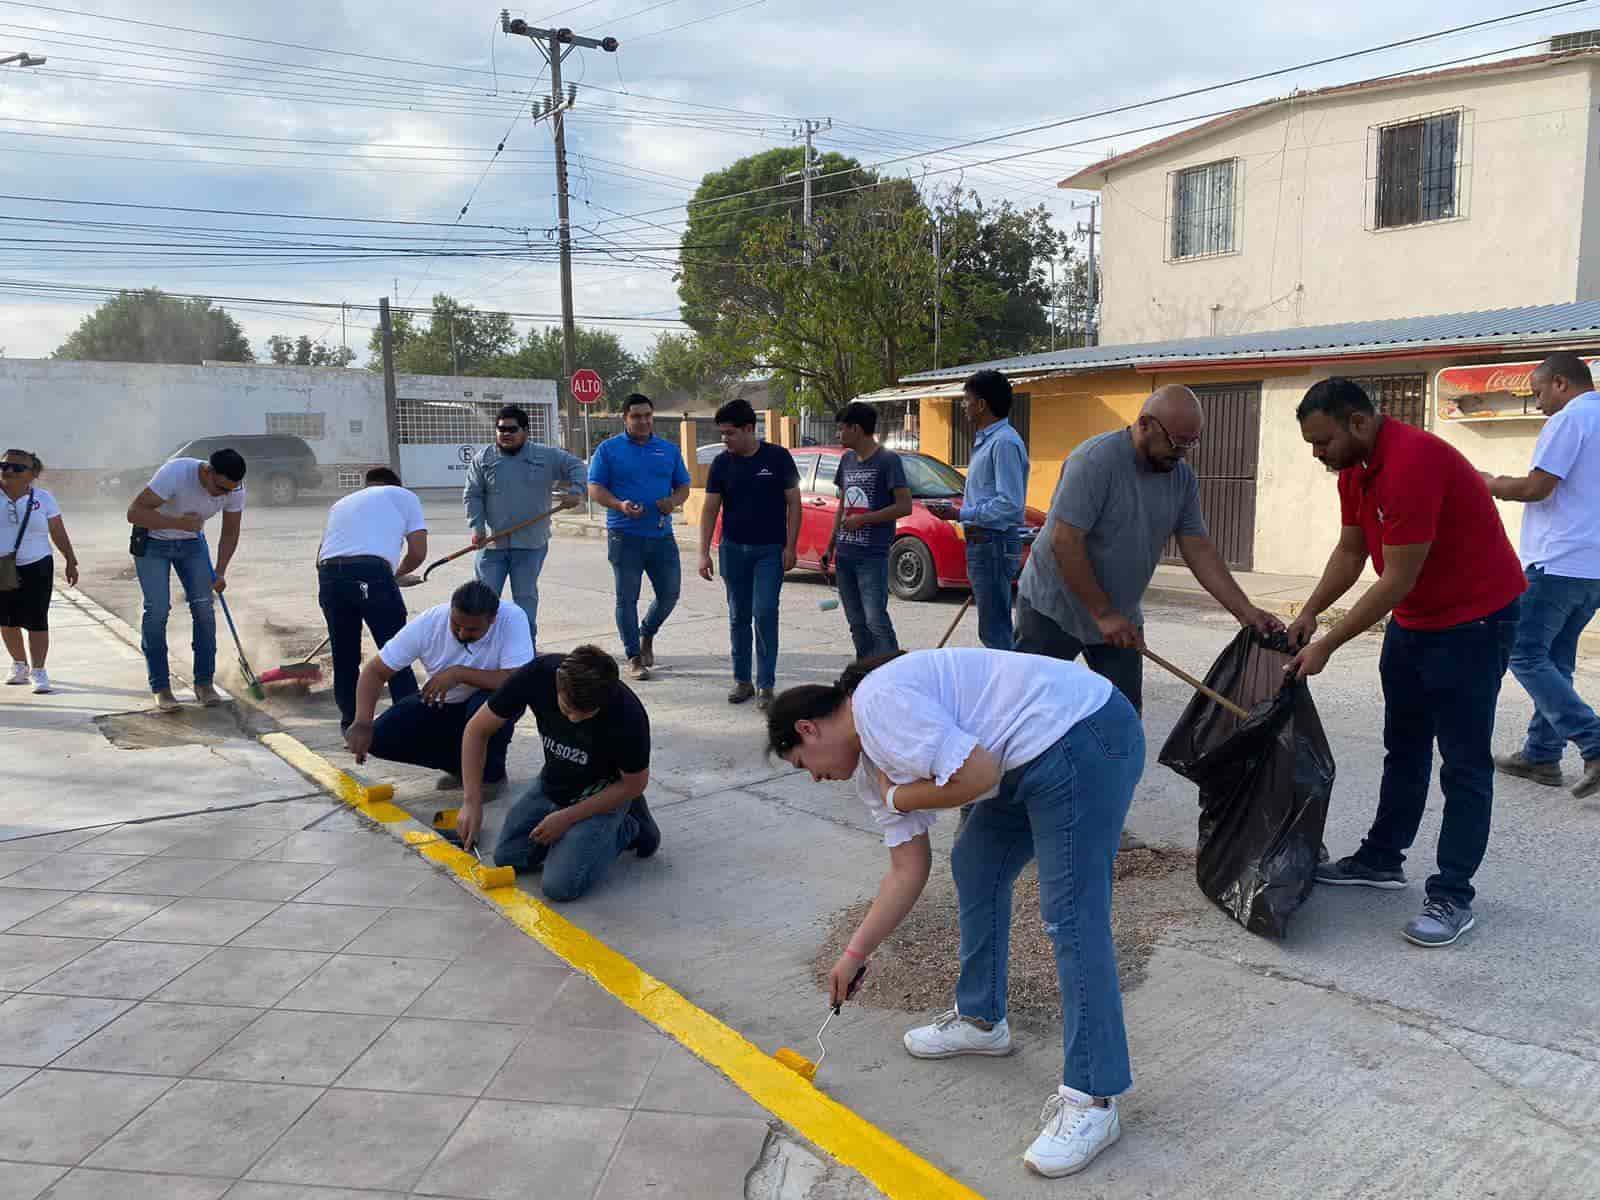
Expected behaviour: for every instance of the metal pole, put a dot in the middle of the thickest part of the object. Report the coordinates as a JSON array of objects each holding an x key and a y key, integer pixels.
[
  {"x": 1052, "y": 303},
  {"x": 569, "y": 332},
  {"x": 391, "y": 402},
  {"x": 1091, "y": 325},
  {"x": 938, "y": 288}
]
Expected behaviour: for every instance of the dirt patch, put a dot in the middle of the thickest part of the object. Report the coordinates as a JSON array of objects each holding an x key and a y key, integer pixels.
[
  {"x": 192, "y": 726},
  {"x": 915, "y": 970}
]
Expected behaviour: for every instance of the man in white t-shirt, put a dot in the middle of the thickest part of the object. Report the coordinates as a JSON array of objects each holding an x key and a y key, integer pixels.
[
  {"x": 373, "y": 538},
  {"x": 1561, "y": 555},
  {"x": 469, "y": 647},
  {"x": 169, "y": 519}
]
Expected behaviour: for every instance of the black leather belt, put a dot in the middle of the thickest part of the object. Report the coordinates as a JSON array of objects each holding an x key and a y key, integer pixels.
[{"x": 355, "y": 560}]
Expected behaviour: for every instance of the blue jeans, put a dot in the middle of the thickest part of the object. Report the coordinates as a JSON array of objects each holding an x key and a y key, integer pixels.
[
  {"x": 579, "y": 860},
  {"x": 864, "y": 596},
  {"x": 1067, "y": 808},
  {"x": 632, "y": 558},
  {"x": 753, "y": 577},
  {"x": 523, "y": 568},
  {"x": 350, "y": 593},
  {"x": 992, "y": 567},
  {"x": 191, "y": 560},
  {"x": 1555, "y": 610},
  {"x": 1440, "y": 685},
  {"x": 429, "y": 735}
]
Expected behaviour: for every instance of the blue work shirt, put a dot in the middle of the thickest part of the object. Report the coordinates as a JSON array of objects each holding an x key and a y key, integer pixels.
[
  {"x": 997, "y": 479},
  {"x": 643, "y": 472},
  {"x": 503, "y": 489}
]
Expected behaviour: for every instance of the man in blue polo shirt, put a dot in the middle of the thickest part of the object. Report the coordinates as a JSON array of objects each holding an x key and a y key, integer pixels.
[{"x": 640, "y": 478}]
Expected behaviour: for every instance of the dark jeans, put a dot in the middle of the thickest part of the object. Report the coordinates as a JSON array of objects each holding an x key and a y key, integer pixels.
[
  {"x": 190, "y": 558},
  {"x": 864, "y": 596},
  {"x": 992, "y": 567},
  {"x": 1440, "y": 686},
  {"x": 1066, "y": 808},
  {"x": 429, "y": 735},
  {"x": 753, "y": 577},
  {"x": 582, "y": 856},
  {"x": 1555, "y": 610},
  {"x": 351, "y": 593},
  {"x": 632, "y": 558},
  {"x": 1038, "y": 634}
]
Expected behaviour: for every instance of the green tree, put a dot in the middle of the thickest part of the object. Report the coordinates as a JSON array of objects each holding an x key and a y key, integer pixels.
[
  {"x": 152, "y": 327},
  {"x": 681, "y": 365},
  {"x": 457, "y": 340},
  {"x": 303, "y": 352},
  {"x": 1003, "y": 253},
  {"x": 539, "y": 357}
]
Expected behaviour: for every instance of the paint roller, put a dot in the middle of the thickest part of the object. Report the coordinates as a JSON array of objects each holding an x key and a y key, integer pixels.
[
  {"x": 485, "y": 876},
  {"x": 799, "y": 1063}
]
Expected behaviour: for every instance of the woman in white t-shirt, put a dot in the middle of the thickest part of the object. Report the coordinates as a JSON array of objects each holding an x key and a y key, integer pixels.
[
  {"x": 1051, "y": 753},
  {"x": 31, "y": 520}
]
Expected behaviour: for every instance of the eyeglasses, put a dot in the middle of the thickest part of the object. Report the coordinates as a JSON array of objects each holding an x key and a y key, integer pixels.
[
  {"x": 509, "y": 429},
  {"x": 17, "y": 467},
  {"x": 1183, "y": 447}
]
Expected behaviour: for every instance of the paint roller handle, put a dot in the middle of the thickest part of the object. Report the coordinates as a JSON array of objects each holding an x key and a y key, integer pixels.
[
  {"x": 855, "y": 982},
  {"x": 1214, "y": 696}
]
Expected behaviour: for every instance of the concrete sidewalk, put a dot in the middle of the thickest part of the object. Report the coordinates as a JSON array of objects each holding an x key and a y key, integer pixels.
[{"x": 216, "y": 981}]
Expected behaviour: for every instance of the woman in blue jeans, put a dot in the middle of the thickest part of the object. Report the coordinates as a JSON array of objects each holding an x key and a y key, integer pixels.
[{"x": 1051, "y": 753}]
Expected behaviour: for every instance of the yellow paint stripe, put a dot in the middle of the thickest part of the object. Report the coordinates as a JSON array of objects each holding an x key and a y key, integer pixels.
[{"x": 848, "y": 1137}]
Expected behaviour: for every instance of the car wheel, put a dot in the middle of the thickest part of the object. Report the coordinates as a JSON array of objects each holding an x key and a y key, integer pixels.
[
  {"x": 281, "y": 490},
  {"x": 911, "y": 572}
]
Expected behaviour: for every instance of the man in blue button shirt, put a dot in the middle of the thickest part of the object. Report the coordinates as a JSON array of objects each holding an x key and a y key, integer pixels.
[
  {"x": 993, "y": 504},
  {"x": 508, "y": 483},
  {"x": 640, "y": 478}
]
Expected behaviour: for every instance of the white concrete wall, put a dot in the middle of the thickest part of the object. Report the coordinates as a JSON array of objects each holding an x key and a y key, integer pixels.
[{"x": 1304, "y": 253}]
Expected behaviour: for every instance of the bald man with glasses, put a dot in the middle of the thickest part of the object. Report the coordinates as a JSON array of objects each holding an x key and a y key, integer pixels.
[{"x": 1120, "y": 497}]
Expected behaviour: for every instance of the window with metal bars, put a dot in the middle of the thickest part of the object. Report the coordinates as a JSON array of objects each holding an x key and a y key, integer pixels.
[
  {"x": 1203, "y": 204},
  {"x": 962, "y": 434},
  {"x": 1418, "y": 171},
  {"x": 297, "y": 424},
  {"x": 1402, "y": 397},
  {"x": 425, "y": 422}
]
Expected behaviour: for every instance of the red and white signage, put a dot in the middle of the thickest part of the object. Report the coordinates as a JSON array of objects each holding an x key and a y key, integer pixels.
[
  {"x": 1489, "y": 391},
  {"x": 587, "y": 386}
]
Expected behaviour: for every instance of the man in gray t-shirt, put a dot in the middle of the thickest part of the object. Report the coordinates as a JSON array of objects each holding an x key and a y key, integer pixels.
[{"x": 1120, "y": 497}]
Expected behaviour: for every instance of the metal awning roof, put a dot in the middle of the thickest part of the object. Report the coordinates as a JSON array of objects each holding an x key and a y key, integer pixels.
[
  {"x": 1504, "y": 328},
  {"x": 933, "y": 391}
]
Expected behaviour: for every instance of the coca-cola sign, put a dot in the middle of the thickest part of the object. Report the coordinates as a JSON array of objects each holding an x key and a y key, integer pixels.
[{"x": 1489, "y": 391}]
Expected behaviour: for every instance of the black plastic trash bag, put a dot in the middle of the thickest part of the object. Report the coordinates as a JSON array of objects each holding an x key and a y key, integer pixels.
[{"x": 1264, "y": 785}]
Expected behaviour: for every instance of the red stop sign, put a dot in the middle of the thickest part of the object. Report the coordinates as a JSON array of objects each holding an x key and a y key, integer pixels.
[{"x": 587, "y": 386}]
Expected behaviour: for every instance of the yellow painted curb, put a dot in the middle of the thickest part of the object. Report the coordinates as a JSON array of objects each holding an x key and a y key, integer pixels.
[{"x": 844, "y": 1134}]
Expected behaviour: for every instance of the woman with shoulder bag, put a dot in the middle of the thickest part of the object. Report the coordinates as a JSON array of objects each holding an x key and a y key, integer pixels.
[{"x": 31, "y": 520}]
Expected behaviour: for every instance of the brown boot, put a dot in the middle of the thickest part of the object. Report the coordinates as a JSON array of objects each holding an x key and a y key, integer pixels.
[
  {"x": 166, "y": 702},
  {"x": 742, "y": 691},
  {"x": 1589, "y": 782},
  {"x": 647, "y": 651},
  {"x": 637, "y": 669},
  {"x": 1547, "y": 773}
]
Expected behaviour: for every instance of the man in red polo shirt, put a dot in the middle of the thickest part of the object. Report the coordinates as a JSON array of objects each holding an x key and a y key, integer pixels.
[{"x": 1447, "y": 572}]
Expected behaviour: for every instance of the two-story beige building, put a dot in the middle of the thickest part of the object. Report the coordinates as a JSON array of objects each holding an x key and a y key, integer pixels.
[{"x": 1476, "y": 187}]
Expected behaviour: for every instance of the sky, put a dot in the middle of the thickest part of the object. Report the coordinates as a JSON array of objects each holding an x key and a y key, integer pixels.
[{"x": 380, "y": 122}]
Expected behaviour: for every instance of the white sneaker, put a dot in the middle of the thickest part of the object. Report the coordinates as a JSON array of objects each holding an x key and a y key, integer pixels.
[
  {"x": 41, "y": 682},
  {"x": 951, "y": 1035},
  {"x": 19, "y": 673},
  {"x": 1075, "y": 1131}
]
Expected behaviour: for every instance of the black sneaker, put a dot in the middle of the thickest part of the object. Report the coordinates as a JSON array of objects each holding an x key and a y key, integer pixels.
[
  {"x": 1440, "y": 923},
  {"x": 648, "y": 839},
  {"x": 1352, "y": 872}
]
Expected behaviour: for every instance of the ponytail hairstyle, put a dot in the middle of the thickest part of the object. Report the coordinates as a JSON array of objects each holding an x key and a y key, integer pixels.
[{"x": 814, "y": 702}]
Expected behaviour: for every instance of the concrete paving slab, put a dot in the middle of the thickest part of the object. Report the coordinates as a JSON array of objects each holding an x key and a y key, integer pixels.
[
  {"x": 681, "y": 1083},
  {"x": 592, "y": 1067},
  {"x": 120, "y": 970},
  {"x": 21, "y": 904},
  {"x": 157, "y": 1039},
  {"x": 207, "y": 922},
  {"x": 26, "y": 1181},
  {"x": 206, "y": 1127},
  {"x": 296, "y": 926},
  {"x": 160, "y": 876},
  {"x": 250, "y": 976},
  {"x": 73, "y": 871},
  {"x": 26, "y": 960},
  {"x": 93, "y": 916},
  {"x": 694, "y": 1156},
  {"x": 486, "y": 990},
  {"x": 11, "y": 1076},
  {"x": 502, "y": 1145},
  {"x": 87, "y": 1184},
  {"x": 354, "y": 984},
  {"x": 379, "y": 887},
  {"x": 437, "y": 1057},
  {"x": 294, "y": 1047},
  {"x": 293, "y": 1191},
  {"x": 265, "y": 880},
  {"x": 365, "y": 1140},
  {"x": 36, "y": 1030},
  {"x": 426, "y": 933},
  {"x": 62, "y": 1116}
]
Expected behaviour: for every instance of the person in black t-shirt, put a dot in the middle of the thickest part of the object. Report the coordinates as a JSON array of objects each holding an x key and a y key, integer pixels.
[
  {"x": 587, "y": 806},
  {"x": 754, "y": 486}
]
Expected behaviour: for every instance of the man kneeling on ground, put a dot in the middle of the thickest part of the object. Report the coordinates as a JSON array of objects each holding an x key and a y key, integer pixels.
[
  {"x": 587, "y": 806},
  {"x": 469, "y": 647}
]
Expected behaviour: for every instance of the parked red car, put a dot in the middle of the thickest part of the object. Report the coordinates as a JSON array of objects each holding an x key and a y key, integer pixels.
[{"x": 928, "y": 552}]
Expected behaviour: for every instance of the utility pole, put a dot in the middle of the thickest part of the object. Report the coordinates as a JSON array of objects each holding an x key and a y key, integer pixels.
[
  {"x": 391, "y": 402},
  {"x": 555, "y": 45},
  {"x": 1052, "y": 302},
  {"x": 1093, "y": 324},
  {"x": 808, "y": 171},
  {"x": 938, "y": 285}
]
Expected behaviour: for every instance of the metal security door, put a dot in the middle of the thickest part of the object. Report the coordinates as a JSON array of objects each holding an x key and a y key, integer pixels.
[{"x": 1225, "y": 465}]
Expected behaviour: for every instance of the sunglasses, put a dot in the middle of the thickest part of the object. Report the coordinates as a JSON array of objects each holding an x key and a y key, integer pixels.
[
  {"x": 511, "y": 429},
  {"x": 18, "y": 467}
]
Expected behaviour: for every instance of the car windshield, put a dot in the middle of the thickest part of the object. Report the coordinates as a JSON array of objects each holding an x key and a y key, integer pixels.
[{"x": 931, "y": 479}]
